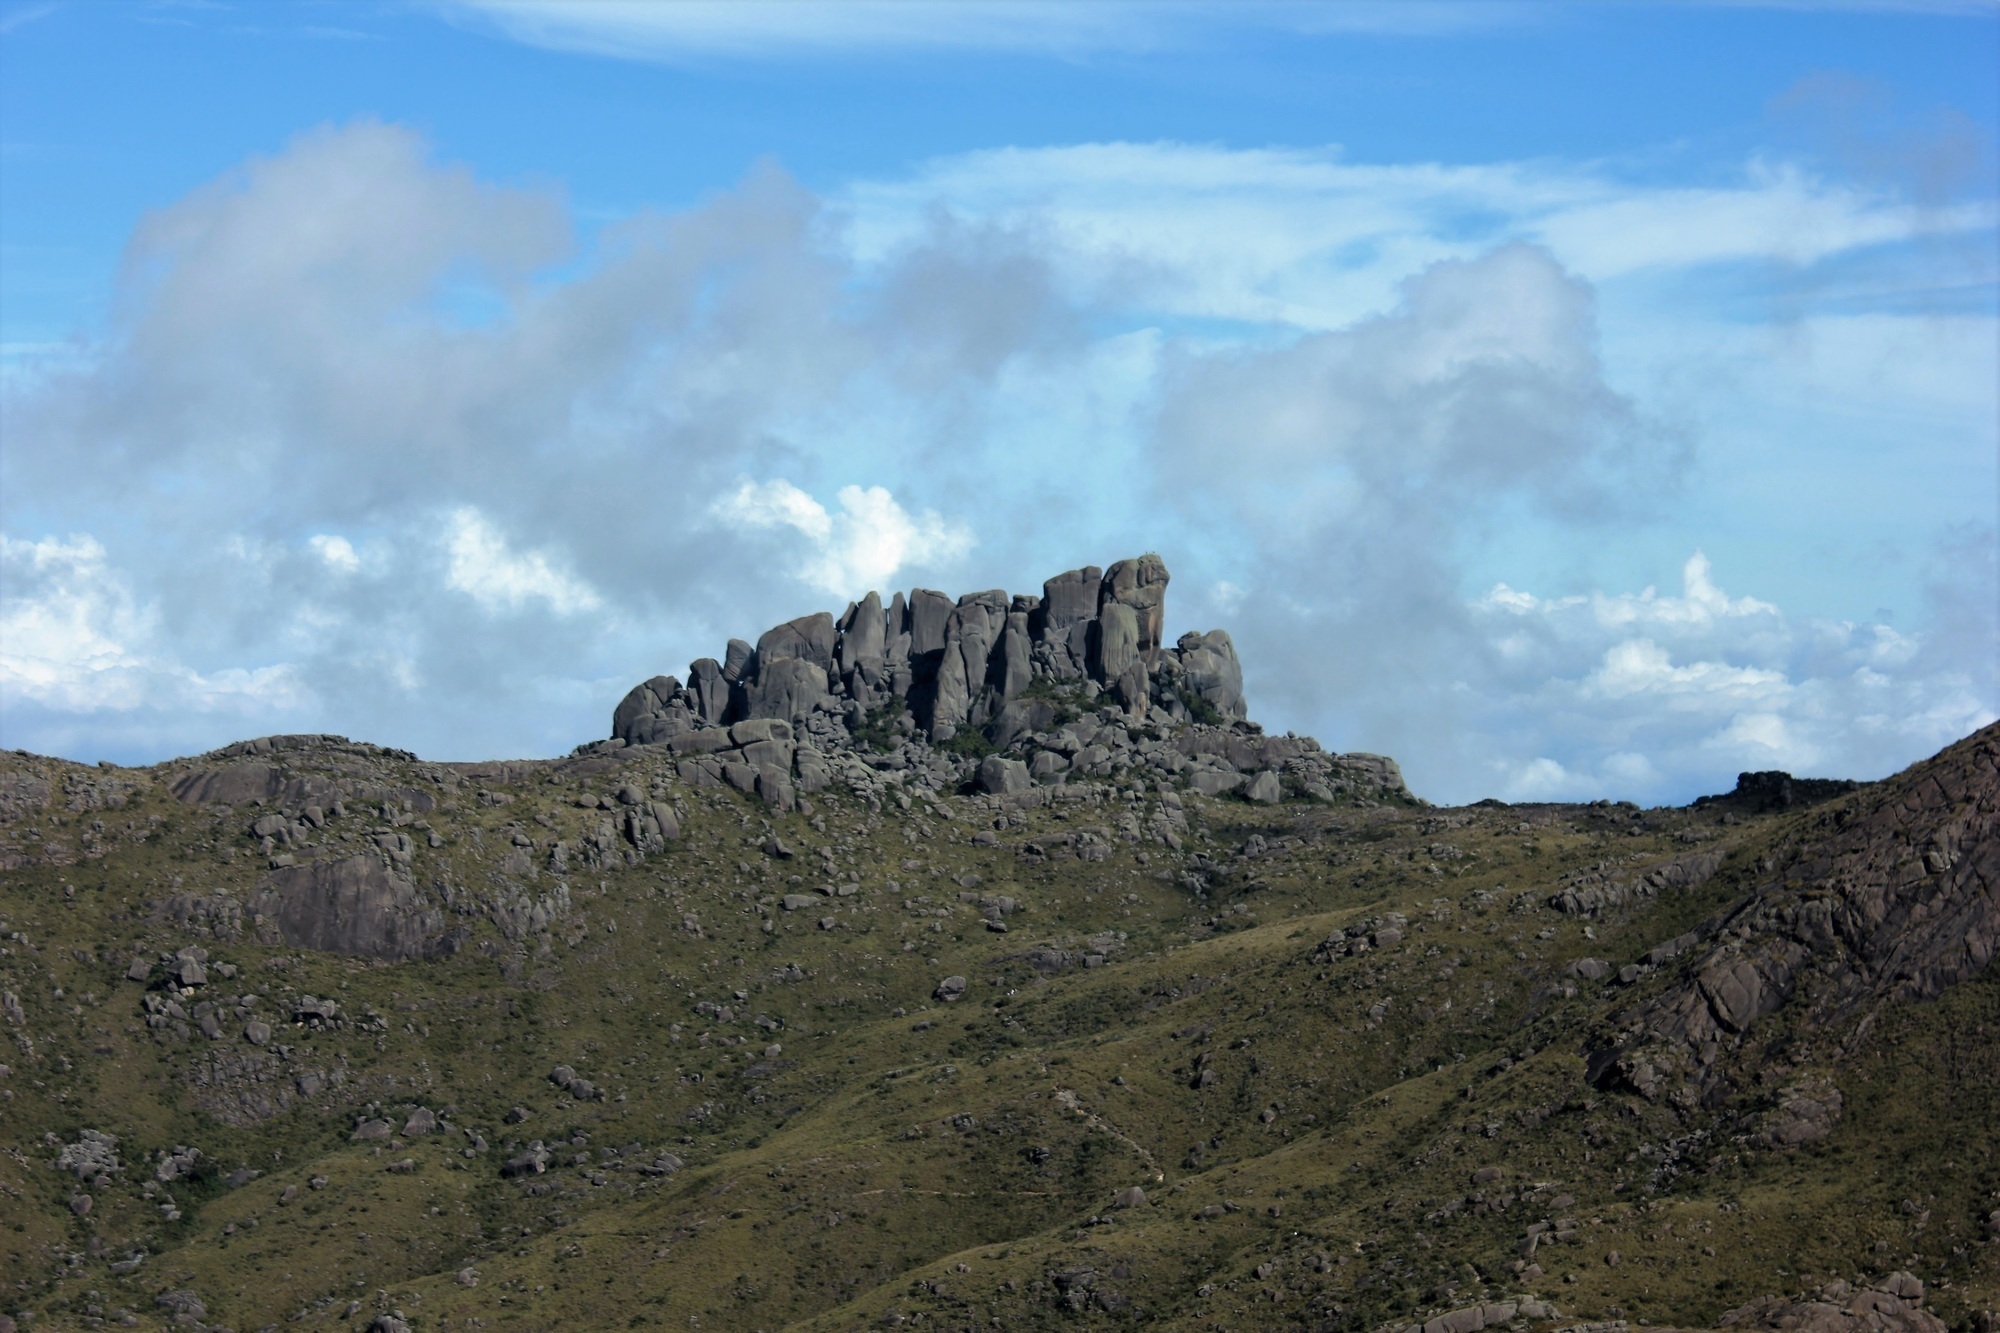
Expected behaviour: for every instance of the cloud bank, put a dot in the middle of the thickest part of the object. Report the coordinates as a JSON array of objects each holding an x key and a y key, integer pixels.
[{"x": 375, "y": 446}]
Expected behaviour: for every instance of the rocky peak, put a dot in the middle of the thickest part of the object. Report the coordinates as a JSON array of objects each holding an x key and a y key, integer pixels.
[
  {"x": 956, "y": 664},
  {"x": 1077, "y": 679}
]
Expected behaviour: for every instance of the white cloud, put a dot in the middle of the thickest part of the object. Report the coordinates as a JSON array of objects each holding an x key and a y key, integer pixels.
[
  {"x": 646, "y": 30},
  {"x": 1540, "y": 779},
  {"x": 1325, "y": 391},
  {"x": 1700, "y": 602},
  {"x": 487, "y": 569},
  {"x": 1715, "y": 684},
  {"x": 860, "y": 548},
  {"x": 681, "y": 30},
  {"x": 74, "y": 638},
  {"x": 1640, "y": 666},
  {"x": 1304, "y": 236},
  {"x": 336, "y": 552}
]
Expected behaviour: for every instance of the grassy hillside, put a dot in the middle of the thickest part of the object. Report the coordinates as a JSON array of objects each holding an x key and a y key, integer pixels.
[{"x": 1341, "y": 1050}]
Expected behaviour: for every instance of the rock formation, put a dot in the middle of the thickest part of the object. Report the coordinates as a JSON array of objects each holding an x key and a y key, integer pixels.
[
  {"x": 1076, "y": 681},
  {"x": 1894, "y": 895}
]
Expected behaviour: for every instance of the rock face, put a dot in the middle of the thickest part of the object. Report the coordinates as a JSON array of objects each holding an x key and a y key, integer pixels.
[
  {"x": 1761, "y": 793},
  {"x": 353, "y": 906},
  {"x": 953, "y": 663},
  {"x": 1037, "y": 677},
  {"x": 1894, "y": 895}
]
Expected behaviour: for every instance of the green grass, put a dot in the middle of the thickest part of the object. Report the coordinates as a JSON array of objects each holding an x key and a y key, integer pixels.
[{"x": 894, "y": 1138}]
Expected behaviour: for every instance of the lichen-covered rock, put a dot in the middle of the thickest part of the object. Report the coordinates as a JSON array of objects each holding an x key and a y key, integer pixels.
[{"x": 354, "y": 906}]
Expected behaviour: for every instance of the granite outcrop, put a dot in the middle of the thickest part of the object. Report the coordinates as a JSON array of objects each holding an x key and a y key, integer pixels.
[
  {"x": 1891, "y": 895},
  {"x": 1006, "y": 693}
]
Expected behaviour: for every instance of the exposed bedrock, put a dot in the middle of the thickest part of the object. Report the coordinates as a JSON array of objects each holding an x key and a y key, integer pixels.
[
  {"x": 1065, "y": 672},
  {"x": 1891, "y": 895}
]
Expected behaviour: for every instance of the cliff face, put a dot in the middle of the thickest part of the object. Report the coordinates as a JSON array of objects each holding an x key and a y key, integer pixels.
[{"x": 1075, "y": 682}]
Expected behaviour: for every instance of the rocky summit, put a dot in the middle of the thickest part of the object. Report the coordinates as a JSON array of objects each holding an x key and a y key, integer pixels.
[
  {"x": 1011, "y": 692},
  {"x": 979, "y": 964}
]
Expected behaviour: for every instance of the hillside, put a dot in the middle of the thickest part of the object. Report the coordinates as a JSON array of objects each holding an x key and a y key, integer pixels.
[{"x": 1060, "y": 1003}]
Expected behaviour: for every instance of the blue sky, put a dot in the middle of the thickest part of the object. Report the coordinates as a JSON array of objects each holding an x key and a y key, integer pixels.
[{"x": 1571, "y": 400}]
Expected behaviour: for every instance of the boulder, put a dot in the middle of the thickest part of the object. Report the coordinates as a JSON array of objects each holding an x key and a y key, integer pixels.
[
  {"x": 786, "y": 689},
  {"x": 1018, "y": 718},
  {"x": 710, "y": 691},
  {"x": 707, "y": 741},
  {"x": 863, "y": 636},
  {"x": 809, "y": 638},
  {"x": 950, "y": 989},
  {"x": 774, "y": 788},
  {"x": 1069, "y": 599},
  {"x": 1141, "y": 586},
  {"x": 739, "y": 661},
  {"x": 1211, "y": 672},
  {"x": 928, "y": 613},
  {"x": 1012, "y": 662},
  {"x": 1211, "y": 782},
  {"x": 752, "y": 730},
  {"x": 999, "y": 775},
  {"x": 1265, "y": 788},
  {"x": 810, "y": 769},
  {"x": 642, "y": 701},
  {"x": 1046, "y": 765},
  {"x": 1133, "y": 689}
]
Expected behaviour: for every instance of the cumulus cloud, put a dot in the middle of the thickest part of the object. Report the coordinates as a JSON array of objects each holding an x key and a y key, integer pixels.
[
  {"x": 374, "y": 445},
  {"x": 350, "y": 417},
  {"x": 860, "y": 548},
  {"x": 487, "y": 569},
  {"x": 75, "y": 639},
  {"x": 338, "y": 552},
  {"x": 1704, "y": 683}
]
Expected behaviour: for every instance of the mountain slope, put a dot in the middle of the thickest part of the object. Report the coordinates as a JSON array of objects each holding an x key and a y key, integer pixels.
[{"x": 591, "y": 1043}]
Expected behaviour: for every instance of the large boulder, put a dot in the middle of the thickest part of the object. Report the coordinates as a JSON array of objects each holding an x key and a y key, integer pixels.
[
  {"x": 928, "y": 613},
  {"x": 1014, "y": 665},
  {"x": 650, "y": 697},
  {"x": 786, "y": 689},
  {"x": 862, "y": 636},
  {"x": 1140, "y": 584},
  {"x": 1210, "y": 670},
  {"x": 809, "y": 638},
  {"x": 739, "y": 661},
  {"x": 970, "y": 634},
  {"x": 710, "y": 690},
  {"x": 1071, "y": 597},
  {"x": 999, "y": 776}
]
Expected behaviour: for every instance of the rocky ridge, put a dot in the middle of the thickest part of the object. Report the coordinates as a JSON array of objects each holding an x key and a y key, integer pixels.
[
  {"x": 309, "y": 1030},
  {"x": 1013, "y": 694},
  {"x": 1893, "y": 896}
]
